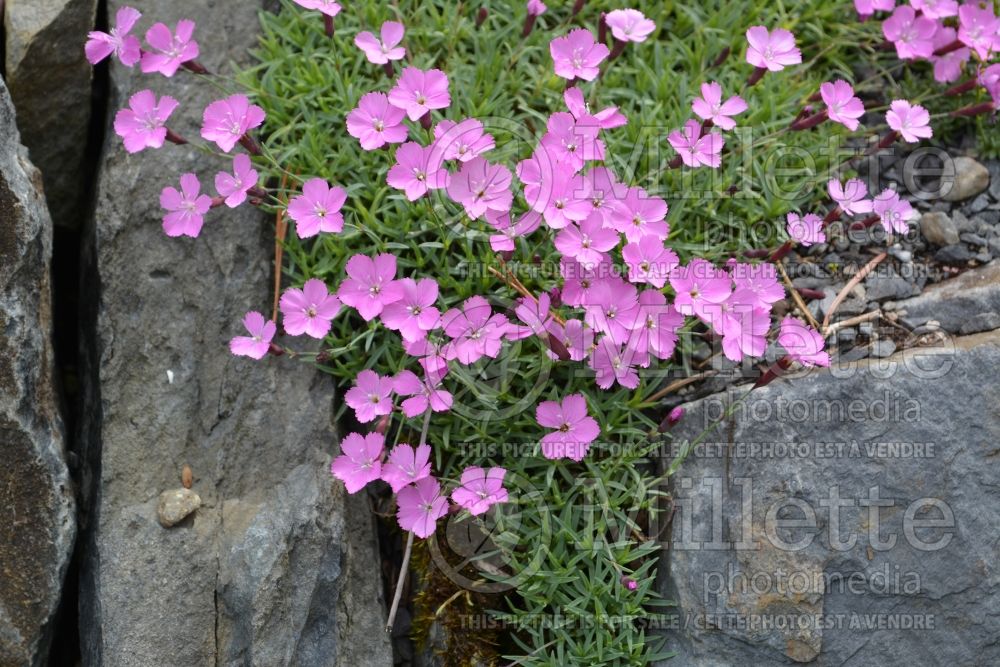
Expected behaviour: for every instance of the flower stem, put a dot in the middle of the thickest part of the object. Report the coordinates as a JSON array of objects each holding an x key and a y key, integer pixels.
[
  {"x": 405, "y": 567},
  {"x": 403, "y": 571}
]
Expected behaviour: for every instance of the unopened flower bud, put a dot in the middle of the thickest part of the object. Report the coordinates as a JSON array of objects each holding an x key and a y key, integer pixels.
[
  {"x": 721, "y": 58},
  {"x": 672, "y": 418},
  {"x": 558, "y": 348},
  {"x": 629, "y": 583},
  {"x": 383, "y": 424},
  {"x": 481, "y": 16}
]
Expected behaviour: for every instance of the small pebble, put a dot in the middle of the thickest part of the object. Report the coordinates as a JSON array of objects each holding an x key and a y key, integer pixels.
[
  {"x": 974, "y": 239},
  {"x": 882, "y": 348},
  {"x": 962, "y": 223},
  {"x": 854, "y": 354},
  {"x": 938, "y": 228},
  {"x": 957, "y": 253},
  {"x": 979, "y": 204},
  {"x": 971, "y": 178},
  {"x": 904, "y": 256},
  {"x": 176, "y": 505}
]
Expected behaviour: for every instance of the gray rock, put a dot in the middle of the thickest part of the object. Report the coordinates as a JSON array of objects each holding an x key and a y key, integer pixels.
[
  {"x": 176, "y": 505},
  {"x": 994, "y": 168},
  {"x": 888, "y": 284},
  {"x": 882, "y": 348},
  {"x": 973, "y": 296},
  {"x": 980, "y": 322},
  {"x": 973, "y": 239},
  {"x": 904, "y": 256},
  {"x": 278, "y": 566},
  {"x": 866, "y": 457},
  {"x": 979, "y": 203},
  {"x": 962, "y": 223},
  {"x": 971, "y": 178},
  {"x": 854, "y": 354},
  {"x": 38, "y": 522},
  {"x": 810, "y": 283},
  {"x": 49, "y": 80},
  {"x": 958, "y": 253},
  {"x": 852, "y": 306},
  {"x": 989, "y": 217},
  {"x": 938, "y": 228}
]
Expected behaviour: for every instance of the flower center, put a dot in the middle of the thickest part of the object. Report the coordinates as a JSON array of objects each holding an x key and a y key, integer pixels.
[{"x": 379, "y": 125}]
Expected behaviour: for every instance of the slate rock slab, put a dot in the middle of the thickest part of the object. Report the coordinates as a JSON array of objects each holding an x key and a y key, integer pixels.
[
  {"x": 278, "y": 566},
  {"x": 37, "y": 513},
  {"x": 968, "y": 303},
  {"x": 50, "y": 82},
  {"x": 846, "y": 517}
]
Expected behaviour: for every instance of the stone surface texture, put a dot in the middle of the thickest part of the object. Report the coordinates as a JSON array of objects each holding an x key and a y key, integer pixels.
[
  {"x": 278, "y": 566},
  {"x": 38, "y": 521},
  {"x": 898, "y": 444},
  {"x": 50, "y": 82}
]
